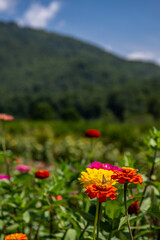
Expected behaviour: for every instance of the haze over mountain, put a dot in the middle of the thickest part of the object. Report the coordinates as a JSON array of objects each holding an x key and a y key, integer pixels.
[{"x": 44, "y": 72}]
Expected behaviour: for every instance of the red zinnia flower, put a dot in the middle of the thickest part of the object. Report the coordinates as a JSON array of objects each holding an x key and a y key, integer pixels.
[
  {"x": 134, "y": 208},
  {"x": 42, "y": 174},
  {"x": 6, "y": 117},
  {"x": 16, "y": 236},
  {"x": 92, "y": 133}
]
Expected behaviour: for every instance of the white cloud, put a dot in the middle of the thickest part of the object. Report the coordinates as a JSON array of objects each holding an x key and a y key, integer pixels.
[
  {"x": 7, "y": 5},
  {"x": 145, "y": 56},
  {"x": 108, "y": 48},
  {"x": 37, "y": 16},
  {"x": 3, "y": 5}
]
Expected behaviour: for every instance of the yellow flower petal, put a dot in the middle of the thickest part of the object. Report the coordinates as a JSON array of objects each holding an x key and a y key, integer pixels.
[{"x": 96, "y": 177}]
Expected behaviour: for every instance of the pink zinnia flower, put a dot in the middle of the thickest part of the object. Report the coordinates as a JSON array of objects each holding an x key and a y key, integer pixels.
[
  {"x": 3, "y": 176},
  {"x": 6, "y": 117},
  {"x": 23, "y": 168},
  {"x": 73, "y": 193},
  {"x": 97, "y": 165},
  {"x": 112, "y": 167},
  {"x": 106, "y": 166}
]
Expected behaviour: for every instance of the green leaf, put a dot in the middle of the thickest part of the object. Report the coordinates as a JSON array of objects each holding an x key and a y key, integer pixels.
[
  {"x": 123, "y": 235},
  {"x": 71, "y": 234},
  {"x": 142, "y": 233},
  {"x": 112, "y": 209},
  {"x": 74, "y": 222},
  {"x": 12, "y": 228},
  {"x": 90, "y": 219},
  {"x": 152, "y": 142},
  {"x": 1, "y": 224},
  {"x": 26, "y": 217},
  {"x": 146, "y": 204},
  {"x": 87, "y": 216},
  {"x": 122, "y": 221}
]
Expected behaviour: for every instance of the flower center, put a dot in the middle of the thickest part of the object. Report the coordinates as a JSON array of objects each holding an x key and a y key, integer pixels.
[{"x": 102, "y": 187}]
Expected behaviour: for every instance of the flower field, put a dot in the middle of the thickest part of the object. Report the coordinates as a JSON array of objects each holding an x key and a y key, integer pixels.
[{"x": 78, "y": 186}]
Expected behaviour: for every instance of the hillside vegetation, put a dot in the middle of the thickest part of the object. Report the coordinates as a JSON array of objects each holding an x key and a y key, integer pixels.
[{"x": 46, "y": 75}]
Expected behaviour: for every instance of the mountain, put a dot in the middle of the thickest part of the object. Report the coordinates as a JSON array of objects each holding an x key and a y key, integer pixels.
[{"x": 46, "y": 72}]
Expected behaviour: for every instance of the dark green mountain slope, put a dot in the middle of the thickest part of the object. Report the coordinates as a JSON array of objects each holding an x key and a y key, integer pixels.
[{"x": 40, "y": 70}]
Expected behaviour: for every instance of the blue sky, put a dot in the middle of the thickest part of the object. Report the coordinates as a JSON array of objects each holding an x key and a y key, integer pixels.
[{"x": 128, "y": 28}]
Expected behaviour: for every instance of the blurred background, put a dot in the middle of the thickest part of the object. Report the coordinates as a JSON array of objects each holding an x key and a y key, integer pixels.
[{"x": 80, "y": 60}]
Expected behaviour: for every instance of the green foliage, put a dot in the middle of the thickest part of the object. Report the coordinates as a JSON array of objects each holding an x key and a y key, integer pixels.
[
  {"x": 49, "y": 73},
  {"x": 42, "y": 111},
  {"x": 154, "y": 107},
  {"x": 31, "y": 206},
  {"x": 70, "y": 115}
]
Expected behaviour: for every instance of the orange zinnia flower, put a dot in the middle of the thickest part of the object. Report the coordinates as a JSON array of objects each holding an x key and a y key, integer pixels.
[
  {"x": 101, "y": 192},
  {"x": 98, "y": 183},
  {"x": 131, "y": 197},
  {"x": 58, "y": 198},
  {"x": 42, "y": 174},
  {"x": 128, "y": 175},
  {"x": 16, "y": 236}
]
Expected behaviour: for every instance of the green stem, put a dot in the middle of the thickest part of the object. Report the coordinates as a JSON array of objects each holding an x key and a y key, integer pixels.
[
  {"x": 51, "y": 222},
  {"x": 3, "y": 137},
  {"x": 150, "y": 177},
  {"x": 81, "y": 235},
  {"x": 126, "y": 210},
  {"x": 4, "y": 148},
  {"x": 36, "y": 235},
  {"x": 153, "y": 165},
  {"x": 96, "y": 218},
  {"x": 145, "y": 189},
  {"x": 110, "y": 235},
  {"x": 91, "y": 155},
  {"x": 98, "y": 223}
]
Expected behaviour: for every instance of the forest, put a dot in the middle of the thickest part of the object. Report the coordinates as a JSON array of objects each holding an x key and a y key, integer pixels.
[{"x": 46, "y": 76}]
